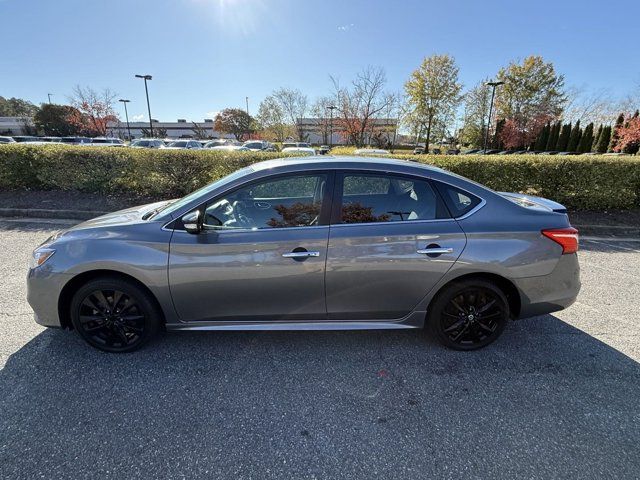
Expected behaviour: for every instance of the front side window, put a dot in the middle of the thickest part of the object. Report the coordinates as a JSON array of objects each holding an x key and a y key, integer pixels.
[
  {"x": 291, "y": 201},
  {"x": 387, "y": 198}
]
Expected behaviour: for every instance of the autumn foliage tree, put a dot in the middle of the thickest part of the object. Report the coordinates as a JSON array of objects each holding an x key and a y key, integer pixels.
[
  {"x": 532, "y": 96},
  {"x": 234, "y": 121},
  {"x": 93, "y": 110},
  {"x": 628, "y": 140},
  {"x": 433, "y": 92}
]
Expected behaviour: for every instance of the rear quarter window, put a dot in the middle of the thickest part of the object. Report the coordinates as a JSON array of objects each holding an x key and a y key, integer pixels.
[{"x": 458, "y": 201}]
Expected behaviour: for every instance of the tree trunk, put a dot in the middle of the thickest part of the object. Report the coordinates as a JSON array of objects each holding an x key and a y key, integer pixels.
[{"x": 428, "y": 137}]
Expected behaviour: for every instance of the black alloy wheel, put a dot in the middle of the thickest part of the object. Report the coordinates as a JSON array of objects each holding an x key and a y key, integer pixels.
[
  {"x": 469, "y": 315},
  {"x": 114, "y": 315}
]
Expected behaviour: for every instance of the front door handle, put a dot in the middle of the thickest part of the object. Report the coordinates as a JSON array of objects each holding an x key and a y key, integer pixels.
[
  {"x": 435, "y": 250},
  {"x": 303, "y": 254}
]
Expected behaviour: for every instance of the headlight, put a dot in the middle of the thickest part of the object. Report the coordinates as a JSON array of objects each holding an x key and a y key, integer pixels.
[{"x": 40, "y": 255}]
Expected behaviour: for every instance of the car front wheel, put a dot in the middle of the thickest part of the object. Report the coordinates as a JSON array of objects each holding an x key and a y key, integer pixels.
[
  {"x": 469, "y": 314},
  {"x": 114, "y": 315}
]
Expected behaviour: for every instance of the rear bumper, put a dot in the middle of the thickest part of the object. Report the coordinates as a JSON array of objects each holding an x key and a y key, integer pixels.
[{"x": 553, "y": 292}]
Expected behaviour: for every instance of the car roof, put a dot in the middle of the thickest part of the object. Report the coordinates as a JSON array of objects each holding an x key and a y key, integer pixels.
[{"x": 343, "y": 161}]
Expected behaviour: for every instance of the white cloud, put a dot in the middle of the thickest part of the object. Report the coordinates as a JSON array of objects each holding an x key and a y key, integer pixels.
[
  {"x": 344, "y": 28},
  {"x": 212, "y": 114},
  {"x": 138, "y": 118}
]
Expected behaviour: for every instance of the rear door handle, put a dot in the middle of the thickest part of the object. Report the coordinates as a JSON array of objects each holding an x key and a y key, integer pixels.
[
  {"x": 301, "y": 254},
  {"x": 435, "y": 250}
]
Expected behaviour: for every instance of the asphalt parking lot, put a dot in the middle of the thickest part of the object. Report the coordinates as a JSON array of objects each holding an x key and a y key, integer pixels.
[{"x": 557, "y": 396}]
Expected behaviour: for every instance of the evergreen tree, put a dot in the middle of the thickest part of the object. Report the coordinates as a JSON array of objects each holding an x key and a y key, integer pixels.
[
  {"x": 587, "y": 139},
  {"x": 574, "y": 138},
  {"x": 543, "y": 138},
  {"x": 603, "y": 141},
  {"x": 596, "y": 139},
  {"x": 563, "y": 139},
  {"x": 614, "y": 135},
  {"x": 553, "y": 137}
]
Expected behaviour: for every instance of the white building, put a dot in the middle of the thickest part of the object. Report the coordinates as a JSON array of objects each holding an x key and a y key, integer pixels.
[
  {"x": 13, "y": 126},
  {"x": 318, "y": 130},
  {"x": 179, "y": 129}
]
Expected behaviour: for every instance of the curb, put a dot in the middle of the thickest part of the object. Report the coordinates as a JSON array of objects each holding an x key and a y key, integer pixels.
[{"x": 50, "y": 213}]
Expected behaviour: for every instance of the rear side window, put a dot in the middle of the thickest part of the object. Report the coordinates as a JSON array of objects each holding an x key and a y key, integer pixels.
[
  {"x": 379, "y": 198},
  {"x": 459, "y": 202}
]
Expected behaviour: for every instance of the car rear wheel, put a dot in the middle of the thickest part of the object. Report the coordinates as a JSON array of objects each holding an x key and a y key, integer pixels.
[
  {"x": 468, "y": 315},
  {"x": 114, "y": 315}
]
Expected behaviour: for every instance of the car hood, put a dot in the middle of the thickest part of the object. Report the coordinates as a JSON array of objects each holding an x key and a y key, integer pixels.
[
  {"x": 531, "y": 201},
  {"x": 122, "y": 217}
]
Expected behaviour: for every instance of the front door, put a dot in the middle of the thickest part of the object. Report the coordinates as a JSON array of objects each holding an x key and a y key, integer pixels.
[
  {"x": 391, "y": 241},
  {"x": 261, "y": 255}
]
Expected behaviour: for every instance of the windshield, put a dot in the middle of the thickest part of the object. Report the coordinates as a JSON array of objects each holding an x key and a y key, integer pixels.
[
  {"x": 178, "y": 204},
  {"x": 178, "y": 144},
  {"x": 140, "y": 143}
]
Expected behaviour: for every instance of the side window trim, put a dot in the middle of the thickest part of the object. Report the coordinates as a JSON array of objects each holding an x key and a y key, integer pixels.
[{"x": 338, "y": 188}]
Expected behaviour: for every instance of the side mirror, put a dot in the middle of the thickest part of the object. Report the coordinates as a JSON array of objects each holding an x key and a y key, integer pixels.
[{"x": 191, "y": 222}]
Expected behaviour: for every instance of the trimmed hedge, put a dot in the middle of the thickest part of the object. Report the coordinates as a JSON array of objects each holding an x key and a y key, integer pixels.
[{"x": 580, "y": 183}]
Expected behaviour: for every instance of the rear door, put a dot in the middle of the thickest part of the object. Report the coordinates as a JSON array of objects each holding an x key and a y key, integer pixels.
[{"x": 391, "y": 240}]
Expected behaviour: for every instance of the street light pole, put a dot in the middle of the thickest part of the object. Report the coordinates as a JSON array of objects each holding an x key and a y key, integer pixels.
[
  {"x": 49, "y": 95},
  {"x": 493, "y": 93},
  {"x": 146, "y": 90},
  {"x": 331, "y": 109},
  {"x": 246, "y": 99},
  {"x": 126, "y": 114}
]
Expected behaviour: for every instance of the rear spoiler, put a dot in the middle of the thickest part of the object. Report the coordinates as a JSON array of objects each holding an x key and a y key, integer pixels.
[{"x": 531, "y": 201}]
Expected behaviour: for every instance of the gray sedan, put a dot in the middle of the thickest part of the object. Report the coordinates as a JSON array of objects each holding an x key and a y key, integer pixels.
[{"x": 315, "y": 243}]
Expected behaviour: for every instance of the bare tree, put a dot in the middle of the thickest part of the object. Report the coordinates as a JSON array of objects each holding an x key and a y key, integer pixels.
[
  {"x": 323, "y": 119},
  {"x": 294, "y": 106},
  {"x": 359, "y": 104}
]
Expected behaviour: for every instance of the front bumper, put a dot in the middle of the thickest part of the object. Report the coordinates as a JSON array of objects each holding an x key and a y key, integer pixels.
[
  {"x": 553, "y": 292},
  {"x": 43, "y": 291}
]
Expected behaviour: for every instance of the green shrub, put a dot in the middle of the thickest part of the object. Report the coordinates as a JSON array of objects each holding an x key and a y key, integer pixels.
[{"x": 588, "y": 183}]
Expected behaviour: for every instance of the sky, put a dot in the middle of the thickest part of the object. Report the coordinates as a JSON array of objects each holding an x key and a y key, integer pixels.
[{"x": 206, "y": 55}]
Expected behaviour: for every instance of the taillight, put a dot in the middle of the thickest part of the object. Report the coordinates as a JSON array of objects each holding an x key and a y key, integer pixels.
[{"x": 566, "y": 237}]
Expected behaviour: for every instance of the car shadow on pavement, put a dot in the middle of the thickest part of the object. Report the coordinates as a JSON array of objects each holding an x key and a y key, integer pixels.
[{"x": 545, "y": 400}]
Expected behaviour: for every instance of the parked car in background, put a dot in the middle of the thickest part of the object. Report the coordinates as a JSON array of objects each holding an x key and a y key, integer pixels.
[
  {"x": 7, "y": 140},
  {"x": 221, "y": 142},
  {"x": 453, "y": 151},
  {"x": 260, "y": 146},
  {"x": 300, "y": 244},
  {"x": 75, "y": 140},
  {"x": 147, "y": 143},
  {"x": 25, "y": 138},
  {"x": 371, "y": 151},
  {"x": 324, "y": 149},
  {"x": 473, "y": 151},
  {"x": 231, "y": 148},
  {"x": 184, "y": 145},
  {"x": 106, "y": 142},
  {"x": 418, "y": 151},
  {"x": 303, "y": 150}
]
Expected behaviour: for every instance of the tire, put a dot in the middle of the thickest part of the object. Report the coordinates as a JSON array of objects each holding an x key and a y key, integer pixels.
[
  {"x": 469, "y": 314},
  {"x": 114, "y": 314}
]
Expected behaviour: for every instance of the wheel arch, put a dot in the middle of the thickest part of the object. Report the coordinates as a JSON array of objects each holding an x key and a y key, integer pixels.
[
  {"x": 507, "y": 286},
  {"x": 67, "y": 292}
]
